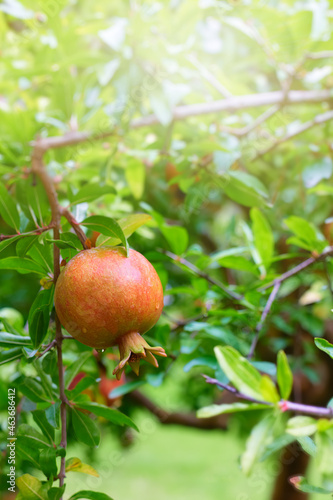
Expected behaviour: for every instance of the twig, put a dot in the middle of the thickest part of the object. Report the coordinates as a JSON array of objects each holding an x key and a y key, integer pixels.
[
  {"x": 318, "y": 411},
  {"x": 317, "y": 120},
  {"x": 234, "y": 103},
  {"x": 240, "y": 132},
  {"x": 48, "y": 348},
  {"x": 40, "y": 171},
  {"x": 325, "y": 54},
  {"x": 295, "y": 270},
  {"x": 200, "y": 273},
  {"x": 265, "y": 312},
  {"x": 39, "y": 230},
  {"x": 209, "y": 76},
  {"x": 75, "y": 225}
]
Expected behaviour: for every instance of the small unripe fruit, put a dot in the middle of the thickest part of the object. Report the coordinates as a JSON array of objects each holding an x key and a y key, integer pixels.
[{"x": 104, "y": 298}]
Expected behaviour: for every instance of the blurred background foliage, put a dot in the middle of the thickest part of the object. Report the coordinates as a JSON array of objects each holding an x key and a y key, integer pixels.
[{"x": 238, "y": 213}]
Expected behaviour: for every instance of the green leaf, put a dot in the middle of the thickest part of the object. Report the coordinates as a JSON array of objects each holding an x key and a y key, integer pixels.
[
  {"x": 85, "y": 429},
  {"x": 33, "y": 390},
  {"x": 31, "y": 488},
  {"x": 8, "y": 209},
  {"x": 106, "y": 226},
  {"x": 42, "y": 422},
  {"x": 5, "y": 243},
  {"x": 256, "y": 442},
  {"x": 244, "y": 189},
  {"x": 48, "y": 462},
  {"x": 75, "y": 465},
  {"x": 301, "y": 426},
  {"x": 128, "y": 225},
  {"x": 10, "y": 355},
  {"x": 39, "y": 316},
  {"x": 135, "y": 175},
  {"x": 284, "y": 375},
  {"x": 201, "y": 361},
  {"x": 213, "y": 410},
  {"x": 263, "y": 236},
  {"x": 8, "y": 339},
  {"x": 28, "y": 453},
  {"x": 90, "y": 495},
  {"x": 73, "y": 369},
  {"x": 24, "y": 245},
  {"x": 91, "y": 192},
  {"x": 53, "y": 415},
  {"x": 324, "y": 345},
  {"x": 31, "y": 437},
  {"x": 308, "y": 236},
  {"x": 301, "y": 484},
  {"x": 177, "y": 237},
  {"x": 56, "y": 493},
  {"x": 114, "y": 416},
  {"x": 80, "y": 387},
  {"x": 240, "y": 372},
  {"x": 239, "y": 263},
  {"x": 23, "y": 266}
]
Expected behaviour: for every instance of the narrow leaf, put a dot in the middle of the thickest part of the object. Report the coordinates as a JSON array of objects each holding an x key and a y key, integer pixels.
[
  {"x": 284, "y": 375},
  {"x": 114, "y": 416}
]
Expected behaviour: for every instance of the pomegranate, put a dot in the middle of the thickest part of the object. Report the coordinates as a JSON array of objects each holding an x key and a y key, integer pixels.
[{"x": 104, "y": 298}]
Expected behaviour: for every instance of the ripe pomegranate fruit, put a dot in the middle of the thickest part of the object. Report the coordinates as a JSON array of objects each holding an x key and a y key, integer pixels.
[{"x": 104, "y": 298}]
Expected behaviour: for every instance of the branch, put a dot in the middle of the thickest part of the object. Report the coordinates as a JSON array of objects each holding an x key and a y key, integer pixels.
[
  {"x": 317, "y": 411},
  {"x": 240, "y": 132},
  {"x": 200, "y": 273},
  {"x": 39, "y": 230},
  {"x": 265, "y": 312},
  {"x": 325, "y": 54},
  {"x": 295, "y": 270},
  {"x": 232, "y": 104},
  {"x": 75, "y": 225},
  {"x": 317, "y": 120},
  {"x": 39, "y": 170},
  {"x": 170, "y": 418}
]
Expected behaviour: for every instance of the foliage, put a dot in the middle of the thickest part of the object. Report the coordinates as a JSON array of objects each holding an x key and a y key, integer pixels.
[{"x": 149, "y": 119}]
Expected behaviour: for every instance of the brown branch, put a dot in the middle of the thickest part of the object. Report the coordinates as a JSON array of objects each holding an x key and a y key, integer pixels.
[
  {"x": 328, "y": 252},
  {"x": 200, "y": 273},
  {"x": 175, "y": 418},
  {"x": 317, "y": 411},
  {"x": 265, "y": 312},
  {"x": 317, "y": 120},
  {"x": 39, "y": 169},
  {"x": 39, "y": 230},
  {"x": 75, "y": 225}
]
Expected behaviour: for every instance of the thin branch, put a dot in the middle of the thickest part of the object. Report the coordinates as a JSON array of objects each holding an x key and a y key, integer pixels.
[
  {"x": 209, "y": 76},
  {"x": 325, "y": 54},
  {"x": 232, "y": 104},
  {"x": 40, "y": 171},
  {"x": 75, "y": 225},
  {"x": 234, "y": 391},
  {"x": 317, "y": 120},
  {"x": 175, "y": 418},
  {"x": 265, "y": 312},
  {"x": 39, "y": 230},
  {"x": 295, "y": 270},
  {"x": 200, "y": 273},
  {"x": 318, "y": 411},
  {"x": 48, "y": 348},
  {"x": 240, "y": 132}
]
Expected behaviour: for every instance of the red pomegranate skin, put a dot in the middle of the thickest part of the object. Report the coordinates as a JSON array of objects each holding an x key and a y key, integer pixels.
[{"x": 101, "y": 295}]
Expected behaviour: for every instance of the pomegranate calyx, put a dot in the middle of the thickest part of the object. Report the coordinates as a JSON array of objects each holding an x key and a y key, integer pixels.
[{"x": 133, "y": 348}]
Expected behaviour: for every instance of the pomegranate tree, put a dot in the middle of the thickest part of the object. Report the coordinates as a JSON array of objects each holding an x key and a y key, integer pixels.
[{"x": 104, "y": 298}]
